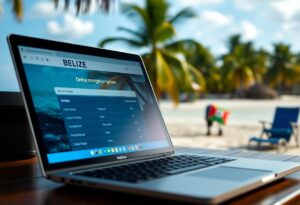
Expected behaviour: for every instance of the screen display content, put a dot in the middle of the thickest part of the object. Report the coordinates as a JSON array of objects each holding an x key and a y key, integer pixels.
[{"x": 89, "y": 106}]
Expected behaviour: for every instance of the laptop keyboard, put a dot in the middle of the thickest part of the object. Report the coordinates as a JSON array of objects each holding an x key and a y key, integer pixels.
[{"x": 153, "y": 169}]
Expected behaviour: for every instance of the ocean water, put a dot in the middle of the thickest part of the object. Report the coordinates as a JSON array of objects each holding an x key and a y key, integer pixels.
[{"x": 241, "y": 111}]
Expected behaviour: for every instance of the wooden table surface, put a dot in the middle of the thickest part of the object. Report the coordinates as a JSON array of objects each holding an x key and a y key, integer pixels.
[{"x": 21, "y": 183}]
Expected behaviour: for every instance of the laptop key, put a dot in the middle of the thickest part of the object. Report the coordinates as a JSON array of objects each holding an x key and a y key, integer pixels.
[
  {"x": 153, "y": 169},
  {"x": 177, "y": 171}
]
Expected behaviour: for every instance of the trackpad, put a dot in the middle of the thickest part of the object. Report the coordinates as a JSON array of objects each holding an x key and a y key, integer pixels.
[{"x": 230, "y": 173}]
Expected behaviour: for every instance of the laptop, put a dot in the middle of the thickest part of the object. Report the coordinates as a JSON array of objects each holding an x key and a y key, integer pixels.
[{"x": 96, "y": 123}]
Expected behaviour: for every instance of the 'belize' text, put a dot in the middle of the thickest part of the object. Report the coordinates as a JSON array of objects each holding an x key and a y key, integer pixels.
[{"x": 73, "y": 63}]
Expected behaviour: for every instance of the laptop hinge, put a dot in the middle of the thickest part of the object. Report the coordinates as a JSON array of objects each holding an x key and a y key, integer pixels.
[{"x": 73, "y": 169}]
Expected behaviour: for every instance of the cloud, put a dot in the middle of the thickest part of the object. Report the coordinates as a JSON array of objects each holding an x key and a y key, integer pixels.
[
  {"x": 214, "y": 18},
  {"x": 278, "y": 36},
  {"x": 71, "y": 28},
  {"x": 287, "y": 9},
  {"x": 287, "y": 12},
  {"x": 186, "y": 3},
  {"x": 45, "y": 9},
  {"x": 211, "y": 28},
  {"x": 249, "y": 31},
  {"x": 220, "y": 50},
  {"x": 246, "y": 5},
  {"x": 280, "y": 17},
  {"x": 251, "y": 5},
  {"x": 291, "y": 26}
]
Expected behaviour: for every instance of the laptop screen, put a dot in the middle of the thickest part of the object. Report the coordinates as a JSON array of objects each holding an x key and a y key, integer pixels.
[{"x": 90, "y": 106}]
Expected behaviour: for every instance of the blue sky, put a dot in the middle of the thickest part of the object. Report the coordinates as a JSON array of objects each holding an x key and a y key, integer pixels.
[{"x": 263, "y": 22}]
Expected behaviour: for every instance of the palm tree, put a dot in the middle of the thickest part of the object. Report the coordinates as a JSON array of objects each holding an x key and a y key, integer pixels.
[
  {"x": 256, "y": 60},
  {"x": 298, "y": 58},
  {"x": 284, "y": 70},
  {"x": 236, "y": 70},
  {"x": 167, "y": 71},
  {"x": 81, "y": 6},
  {"x": 202, "y": 59},
  {"x": 243, "y": 65},
  {"x": 258, "y": 63}
]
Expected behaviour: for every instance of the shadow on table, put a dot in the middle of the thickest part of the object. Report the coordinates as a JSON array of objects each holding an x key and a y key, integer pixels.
[{"x": 83, "y": 195}]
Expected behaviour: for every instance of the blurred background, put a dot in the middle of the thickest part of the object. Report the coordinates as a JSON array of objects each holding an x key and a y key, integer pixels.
[{"x": 240, "y": 57}]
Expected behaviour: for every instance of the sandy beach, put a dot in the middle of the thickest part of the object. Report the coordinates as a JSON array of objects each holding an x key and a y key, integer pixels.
[{"x": 187, "y": 126}]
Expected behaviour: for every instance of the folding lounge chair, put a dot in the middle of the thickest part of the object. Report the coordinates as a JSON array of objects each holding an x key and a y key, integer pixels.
[{"x": 284, "y": 126}]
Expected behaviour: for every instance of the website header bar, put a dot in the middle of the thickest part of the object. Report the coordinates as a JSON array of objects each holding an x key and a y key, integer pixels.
[{"x": 51, "y": 58}]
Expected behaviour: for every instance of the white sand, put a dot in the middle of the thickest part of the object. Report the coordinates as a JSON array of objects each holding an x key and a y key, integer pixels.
[{"x": 187, "y": 126}]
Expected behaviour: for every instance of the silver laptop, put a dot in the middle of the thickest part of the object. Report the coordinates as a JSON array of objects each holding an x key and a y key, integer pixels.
[{"x": 96, "y": 123}]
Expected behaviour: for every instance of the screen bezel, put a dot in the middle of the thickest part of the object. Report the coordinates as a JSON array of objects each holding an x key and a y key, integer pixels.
[{"x": 16, "y": 40}]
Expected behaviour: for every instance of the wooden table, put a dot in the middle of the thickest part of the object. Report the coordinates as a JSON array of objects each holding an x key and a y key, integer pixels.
[{"x": 21, "y": 183}]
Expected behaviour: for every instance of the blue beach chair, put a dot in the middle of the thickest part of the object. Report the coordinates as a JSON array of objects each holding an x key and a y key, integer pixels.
[{"x": 284, "y": 126}]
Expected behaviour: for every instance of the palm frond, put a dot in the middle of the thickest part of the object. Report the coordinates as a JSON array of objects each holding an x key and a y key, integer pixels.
[
  {"x": 84, "y": 6},
  {"x": 168, "y": 73},
  {"x": 181, "y": 45},
  {"x": 18, "y": 9},
  {"x": 136, "y": 34},
  {"x": 136, "y": 13},
  {"x": 56, "y": 2},
  {"x": 164, "y": 32},
  {"x": 177, "y": 66},
  {"x": 157, "y": 11},
  {"x": 280, "y": 72},
  {"x": 292, "y": 74},
  {"x": 197, "y": 77},
  {"x": 234, "y": 41},
  {"x": 195, "y": 53},
  {"x": 128, "y": 41},
  {"x": 165, "y": 78},
  {"x": 182, "y": 15},
  {"x": 187, "y": 76}
]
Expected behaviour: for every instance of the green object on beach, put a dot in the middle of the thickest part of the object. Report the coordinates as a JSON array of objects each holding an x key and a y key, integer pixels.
[{"x": 217, "y": 114}]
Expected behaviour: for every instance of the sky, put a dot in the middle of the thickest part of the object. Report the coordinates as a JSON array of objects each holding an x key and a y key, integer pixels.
[{"x": 262, "y": 21}]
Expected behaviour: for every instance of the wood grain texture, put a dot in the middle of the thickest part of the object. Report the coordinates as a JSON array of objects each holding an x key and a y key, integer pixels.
[{"x": 21, "y": 183}]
